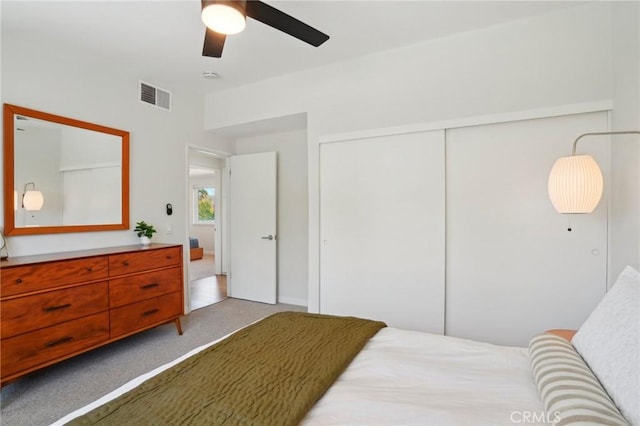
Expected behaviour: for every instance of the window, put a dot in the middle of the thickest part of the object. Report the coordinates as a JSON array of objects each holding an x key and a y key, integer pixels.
[{"x": 204, "y": 209}]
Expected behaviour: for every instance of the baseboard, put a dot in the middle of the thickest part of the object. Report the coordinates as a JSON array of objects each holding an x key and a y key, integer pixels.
[{"x": 292, "y": 301}]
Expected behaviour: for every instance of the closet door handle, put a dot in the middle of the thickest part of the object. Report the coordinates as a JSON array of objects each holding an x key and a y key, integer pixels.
[{"x": 268, "y": 237}]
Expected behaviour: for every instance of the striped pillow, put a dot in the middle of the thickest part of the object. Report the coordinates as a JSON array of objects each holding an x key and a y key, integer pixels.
[{"x": 569, "y": 390}]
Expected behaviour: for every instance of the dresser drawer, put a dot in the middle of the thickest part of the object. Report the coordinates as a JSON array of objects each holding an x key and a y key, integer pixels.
[
  {"x": 43, "y": 276},
  {"x": 123, "y": 291},
  {"x": 126, "y": 263},
  {"x": 42, "y": 310},
  {"x": 42, "y": 346},
  {"x": 139, "y": 315}
]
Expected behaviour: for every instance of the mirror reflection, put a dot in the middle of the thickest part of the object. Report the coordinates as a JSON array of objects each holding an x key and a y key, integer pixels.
[
  {"x": 72, "y": 174},
  {"x": 68, "y": 176}
]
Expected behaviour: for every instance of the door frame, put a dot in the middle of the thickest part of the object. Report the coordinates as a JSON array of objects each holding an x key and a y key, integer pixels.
[{"x": 221, "y": 225}]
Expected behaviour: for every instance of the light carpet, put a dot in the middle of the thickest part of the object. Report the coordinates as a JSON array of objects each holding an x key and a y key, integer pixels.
[{"x": 45, "y": 396}]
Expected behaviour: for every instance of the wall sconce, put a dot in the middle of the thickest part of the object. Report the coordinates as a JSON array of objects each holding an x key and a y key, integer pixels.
[
  {"x": 32, "y": 200},
  {"x": 575, "y": 182}
]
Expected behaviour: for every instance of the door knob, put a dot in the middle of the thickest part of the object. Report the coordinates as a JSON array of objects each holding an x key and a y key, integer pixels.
[{"x": 268, "y": 237}]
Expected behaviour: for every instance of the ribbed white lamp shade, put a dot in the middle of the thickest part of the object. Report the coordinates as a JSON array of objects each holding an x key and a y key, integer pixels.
[
  {"x": 575, "y": 184},
  {"x": 223, "y": 19},
  {"x": 33, "y": 200}
]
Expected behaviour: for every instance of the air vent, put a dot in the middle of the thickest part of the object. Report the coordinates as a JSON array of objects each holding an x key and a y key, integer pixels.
[{"x": 155, "y": 96}]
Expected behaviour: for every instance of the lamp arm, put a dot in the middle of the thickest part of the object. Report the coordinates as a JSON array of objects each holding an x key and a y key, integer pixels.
[
  {"x": 27, "y": 184},
  {"x": 627, "y": 132}
]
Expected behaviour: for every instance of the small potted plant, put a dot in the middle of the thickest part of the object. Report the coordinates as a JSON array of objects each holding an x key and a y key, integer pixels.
[{"x": 145, "y": 232}]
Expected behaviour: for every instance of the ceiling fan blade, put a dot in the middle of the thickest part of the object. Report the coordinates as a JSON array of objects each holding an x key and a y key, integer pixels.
[
  {"x": 213, "y": 44},
  {"x": 281, "y": 21}
]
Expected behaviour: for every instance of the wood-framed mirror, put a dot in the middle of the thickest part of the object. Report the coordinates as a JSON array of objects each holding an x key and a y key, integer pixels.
[{"x": 63, "y": 175}]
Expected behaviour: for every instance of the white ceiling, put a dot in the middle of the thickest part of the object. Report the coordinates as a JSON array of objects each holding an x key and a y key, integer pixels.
[{"x": 164, "y": 38}]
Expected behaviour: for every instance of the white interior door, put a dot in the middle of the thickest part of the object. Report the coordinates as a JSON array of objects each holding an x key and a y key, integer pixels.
[
  {"x": 252, "y": 227},
  {"x": 513, "y": 269},
  {"x": 382, "y": 229}
]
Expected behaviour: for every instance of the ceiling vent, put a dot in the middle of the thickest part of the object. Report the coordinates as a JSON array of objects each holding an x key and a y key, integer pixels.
[{"x": 155, "y": 96}]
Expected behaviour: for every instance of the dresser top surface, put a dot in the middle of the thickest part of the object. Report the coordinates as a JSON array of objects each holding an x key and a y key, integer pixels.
[{"x": 68, "y": 255}]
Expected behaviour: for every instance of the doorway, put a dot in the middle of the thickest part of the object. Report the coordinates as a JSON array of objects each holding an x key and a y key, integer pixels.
[{"x": 207, "y": 281}]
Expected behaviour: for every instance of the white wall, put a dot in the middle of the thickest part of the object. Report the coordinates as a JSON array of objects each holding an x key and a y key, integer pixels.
[
  {"x": 625, "y": 150},
  {"x": 555, "y": 60},
  {"x": 292, "y": 208},
  {"x": 84, "y": 88}
]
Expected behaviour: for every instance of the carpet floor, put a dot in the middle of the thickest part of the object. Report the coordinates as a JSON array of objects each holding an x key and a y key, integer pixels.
[{"x": 45, "y": 396}]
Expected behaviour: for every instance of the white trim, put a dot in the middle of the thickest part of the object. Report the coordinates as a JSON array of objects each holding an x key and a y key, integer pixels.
[
  {"x": 105, "y": 165},
  {"x": 216, "y": 152},
  {"x": 186, "y": 254},
  {"x": 609, "y": 194},
  {"x": 292, "y": 301},
  {"x": 478, "y": 120}
]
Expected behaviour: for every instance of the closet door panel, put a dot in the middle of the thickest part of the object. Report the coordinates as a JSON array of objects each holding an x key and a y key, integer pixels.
[
  {"x": 382, "y": 229},
  {"x": 513, "y": 269}
]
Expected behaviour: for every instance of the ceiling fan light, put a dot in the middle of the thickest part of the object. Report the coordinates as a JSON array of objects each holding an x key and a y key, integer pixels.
[
  {"x": 223, "y": 18},
  {"x": 575, "y": 184}
]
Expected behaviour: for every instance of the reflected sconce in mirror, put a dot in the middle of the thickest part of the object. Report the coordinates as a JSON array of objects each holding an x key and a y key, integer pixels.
[
  {"x": 32, "y": 200},
  {"x": 575, "y": 182}
]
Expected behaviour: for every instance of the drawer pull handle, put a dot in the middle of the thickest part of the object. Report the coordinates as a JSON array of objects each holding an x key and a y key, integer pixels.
[
  {"x": 148, "y": 286},
  {"x": 59, "y": 341},
  {"x": 168, "y": 257},
  {"x": 55, "y": 308},
  {"x": 18, "y": 281},
  {"x": 89, "y": 269},
  {"x": 125, "y": 263},
  {"x": 151, "y": 312}
]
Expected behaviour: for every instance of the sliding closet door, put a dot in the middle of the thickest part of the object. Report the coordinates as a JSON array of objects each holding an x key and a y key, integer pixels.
[
  {"x": 513, "y": 269},
  {"x": 382, "y": 229}
]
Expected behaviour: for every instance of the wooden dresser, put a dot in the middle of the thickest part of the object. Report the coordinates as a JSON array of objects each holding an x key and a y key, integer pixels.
[{"x": 58, "y": 305}]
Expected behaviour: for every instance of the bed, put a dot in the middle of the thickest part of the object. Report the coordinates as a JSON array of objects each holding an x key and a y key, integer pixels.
[{"x": 395, "y": 377}]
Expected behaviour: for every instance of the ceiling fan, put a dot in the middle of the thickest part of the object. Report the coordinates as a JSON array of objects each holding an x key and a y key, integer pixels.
[{"x": 224, "y": 17}]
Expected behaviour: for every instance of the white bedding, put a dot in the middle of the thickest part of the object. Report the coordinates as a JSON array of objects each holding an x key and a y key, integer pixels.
[{"x": 413, "y": 378}]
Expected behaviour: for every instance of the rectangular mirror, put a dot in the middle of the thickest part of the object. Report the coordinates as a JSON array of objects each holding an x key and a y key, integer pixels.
[{"x": 63, "y": 175}]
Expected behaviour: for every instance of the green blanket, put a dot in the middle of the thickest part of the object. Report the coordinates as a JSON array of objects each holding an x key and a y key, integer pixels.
[{"x": 269, "y": 373}]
